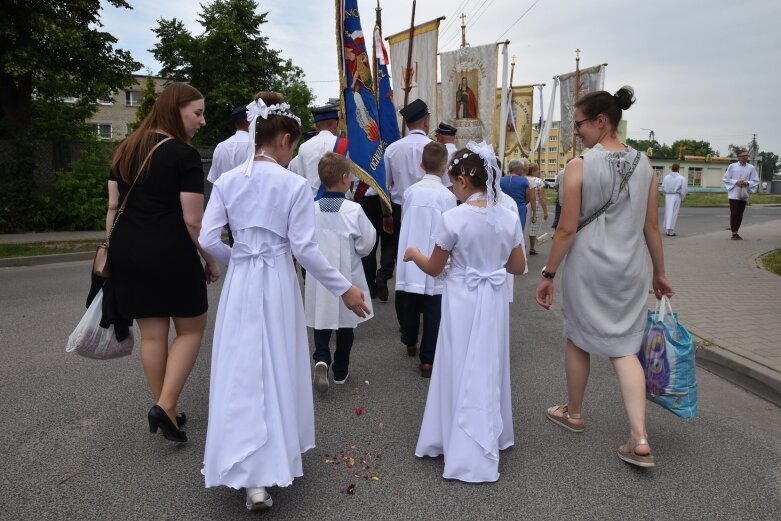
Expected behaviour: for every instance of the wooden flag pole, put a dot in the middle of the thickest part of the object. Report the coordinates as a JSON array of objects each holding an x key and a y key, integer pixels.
[
  {"x": 575, "y": 100},
  {"x": 408, "y": 71}
]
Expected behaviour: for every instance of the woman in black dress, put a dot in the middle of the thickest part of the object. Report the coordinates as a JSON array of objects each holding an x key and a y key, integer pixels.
[{"x": 155, "y": 267}]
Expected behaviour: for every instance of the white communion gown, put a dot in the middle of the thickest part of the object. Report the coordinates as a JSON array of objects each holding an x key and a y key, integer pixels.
[
  {"x": 261, "y": 416},
  {"x": 468, "y": 416}
]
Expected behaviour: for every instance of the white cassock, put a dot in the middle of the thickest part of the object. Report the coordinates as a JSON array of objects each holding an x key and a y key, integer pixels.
[
  {"x": 309, "y": 155},
  {"x": 423, "y": 205},
  {"x": 674, "y": 188},
  {"x": 229, "y": 154},
  {"x": 403, "y": 164},
  {"x": 261, "y": 417},
  {"x": 509, "y": 203},
  {"x": 344, "y": 235}
]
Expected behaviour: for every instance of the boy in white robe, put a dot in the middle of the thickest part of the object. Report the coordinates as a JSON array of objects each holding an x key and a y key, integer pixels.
[
  {"x": 344, "y": 235},
  {"x": 417, "y": 293},
  {"x": 674, "y": 187}
]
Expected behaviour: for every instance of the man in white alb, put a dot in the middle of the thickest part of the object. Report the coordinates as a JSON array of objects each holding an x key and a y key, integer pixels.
[
  {"x": 674, "y": 188},
  {"x": 740, "y": 180},
  {"x": 446, "y": 134},
  {"x": 233, "y": 151},
  {"x": 310, "y": 152}
]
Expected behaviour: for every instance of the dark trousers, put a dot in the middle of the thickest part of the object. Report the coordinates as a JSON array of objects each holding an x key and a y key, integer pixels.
[
  {"x": 736, "y": 209},
  {"x": 344, "y": 343},
  {"x": 411, "y": 306},
  {"x": 388, "y": 243},
  {"x": 557, "y": 215}
]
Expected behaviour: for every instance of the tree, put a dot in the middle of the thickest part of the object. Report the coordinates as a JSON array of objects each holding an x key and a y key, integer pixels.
[
  {"x": 770, "y": 166},
  {"x": 228, "y": 63},
  {"x": 148, "y": 97},
  {"x": 691, "y": 147},
  {"x": 53, "y": 49},
  {"x": 661, "y": 151}
]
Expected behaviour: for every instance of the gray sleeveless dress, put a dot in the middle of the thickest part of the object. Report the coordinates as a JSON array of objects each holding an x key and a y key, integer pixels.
[{"x": 605, "y": 278}]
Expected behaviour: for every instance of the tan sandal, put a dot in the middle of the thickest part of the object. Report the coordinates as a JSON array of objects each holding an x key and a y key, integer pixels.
[
  {"x": 564, "y": 419},
  {"x": 627, "y": 453}
]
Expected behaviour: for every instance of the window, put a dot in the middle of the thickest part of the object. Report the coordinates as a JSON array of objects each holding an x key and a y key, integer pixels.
[
  {"x": 553, "y": 138},
  {"x": 695, "y": 176},
  {"x": 132, "y": 98},
  {"x": 107, "y": 101},
  {"x": 553, "y": 149},
  {"x": 104, "y": 130},
  {"x": 70, "y": 99},
  {"x": 659, "y": 173},
  {"x": 553, "y": 161}
]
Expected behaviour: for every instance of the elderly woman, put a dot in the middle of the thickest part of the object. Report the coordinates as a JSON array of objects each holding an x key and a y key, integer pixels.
[
  {"x": 155, "y": 268},
  {"x": 516, "y": 186},
  {"x": 609, "y": 220}
]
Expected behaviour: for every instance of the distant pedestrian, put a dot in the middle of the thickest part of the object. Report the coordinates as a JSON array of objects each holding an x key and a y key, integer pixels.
[
  {"x": 261, "y": 415},
  {"x": 674, "y": 187},
  {"x": 156, "y": 271},
  {"x": 539, "y": 207},
  {"x": 516, "y": 185},
  {"x": 344, "y": 235},
  {"x": 418, "y": 294},
  {"x": 605, "y": 282},
  {"x": 740, "y": 180},
  {"x": 468, "y": 416}
]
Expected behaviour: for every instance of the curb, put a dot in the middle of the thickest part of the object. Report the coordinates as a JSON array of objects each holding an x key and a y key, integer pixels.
[
  {"x": 741, "y": 371},
  {"x": 37, "y": 260}
]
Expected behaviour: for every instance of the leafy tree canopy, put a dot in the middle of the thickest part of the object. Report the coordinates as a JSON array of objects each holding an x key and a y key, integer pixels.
[
  {"x": 691, "y": 147},
  {"x": 229, "y": 63},
  {"x": 53, "y": 49},
  {"x": 148, "y": 97}
]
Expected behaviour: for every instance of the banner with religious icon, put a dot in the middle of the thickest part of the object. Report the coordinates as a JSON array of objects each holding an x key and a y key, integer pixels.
[
  {"x": 517, "y": 126},
  {"x": 359, "y": 97},
  {"x": 416, "y": 76},
  {"x": 574, "y": 86},
  {"x": 468, "y": 85}
]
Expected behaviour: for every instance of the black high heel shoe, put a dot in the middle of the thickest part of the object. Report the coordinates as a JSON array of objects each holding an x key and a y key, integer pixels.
[
  {"x": 159, "y": 419},
  {"x": 181, "y": 419}
]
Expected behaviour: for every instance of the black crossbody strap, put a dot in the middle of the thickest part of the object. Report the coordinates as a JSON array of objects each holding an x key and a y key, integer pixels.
[{"x": 609, "y": 203}]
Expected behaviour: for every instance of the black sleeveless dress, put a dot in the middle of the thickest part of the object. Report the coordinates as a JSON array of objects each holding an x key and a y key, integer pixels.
[{"x": 155, "y": 267}]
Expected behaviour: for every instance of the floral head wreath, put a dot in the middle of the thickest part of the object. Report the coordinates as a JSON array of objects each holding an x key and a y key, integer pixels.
[
  {"x": 259, "y": 109},
  {"x": 485, "y": 152}
]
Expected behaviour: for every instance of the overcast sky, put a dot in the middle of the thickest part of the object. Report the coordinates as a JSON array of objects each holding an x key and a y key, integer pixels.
[{"x": 701, "y": 69}]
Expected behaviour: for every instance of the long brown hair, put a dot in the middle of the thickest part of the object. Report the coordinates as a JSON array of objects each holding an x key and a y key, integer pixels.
[{"x": 164, "y": 116}]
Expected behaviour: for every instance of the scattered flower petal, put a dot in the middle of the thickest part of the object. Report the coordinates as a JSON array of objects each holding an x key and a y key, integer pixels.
[
  {"x": 358, "y": 411},
  {"x": 351, "y": 488},
  {"x": 350, "y": 463}
]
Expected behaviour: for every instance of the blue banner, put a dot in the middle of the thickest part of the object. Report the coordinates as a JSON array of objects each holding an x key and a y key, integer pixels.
[
  {"x": 389, "y": 123},
  {"x": 366, "y": 145}
]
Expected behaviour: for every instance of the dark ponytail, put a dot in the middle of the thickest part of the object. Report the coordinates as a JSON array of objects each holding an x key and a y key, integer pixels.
[{"x": 611, "y": 105}]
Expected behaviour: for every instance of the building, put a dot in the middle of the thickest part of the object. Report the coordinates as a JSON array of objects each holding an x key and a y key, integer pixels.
[
  {"x": 115, "y": 115},
  {"x": 704, "y": 173}
]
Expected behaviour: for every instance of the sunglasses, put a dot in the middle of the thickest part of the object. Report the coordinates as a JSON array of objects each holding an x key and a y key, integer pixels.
[{"x": 579, "y": 123}]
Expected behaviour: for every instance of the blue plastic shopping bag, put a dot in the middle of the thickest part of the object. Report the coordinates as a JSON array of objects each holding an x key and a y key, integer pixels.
[{"x": 667, "y": 357}]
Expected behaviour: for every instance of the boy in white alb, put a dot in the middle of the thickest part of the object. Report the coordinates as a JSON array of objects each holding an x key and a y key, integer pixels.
[
  {"x": 417, "y": 293},
  {"x": 344, "y": 235},
  {"x": 674, "y": 187}
]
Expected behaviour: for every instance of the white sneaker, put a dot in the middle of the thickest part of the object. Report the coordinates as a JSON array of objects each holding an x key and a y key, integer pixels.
[
  {"x": 258, "y": 499},
  {"x": 342, "y": 381},
  {"x": 320, "y": 379}
]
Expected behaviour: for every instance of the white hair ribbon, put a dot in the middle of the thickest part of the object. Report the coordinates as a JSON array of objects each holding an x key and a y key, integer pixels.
[
  {"x": 486, "y": 152},
  {"x": 257, "y": 108}
]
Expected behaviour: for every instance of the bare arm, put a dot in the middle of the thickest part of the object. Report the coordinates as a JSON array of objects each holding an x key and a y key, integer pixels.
[
  {"x": 192, "y": 211},
  {"x": 429, "y": 265},
  {"x": 566, "y": 230},
  {"x": 653, "y": 241},
  {"x": 516, "y": 264},
  {"x": 113, "y": 205}
]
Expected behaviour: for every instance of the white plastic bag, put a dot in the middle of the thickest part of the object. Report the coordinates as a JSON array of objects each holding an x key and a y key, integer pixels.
[{"x": 92, "y": 341}]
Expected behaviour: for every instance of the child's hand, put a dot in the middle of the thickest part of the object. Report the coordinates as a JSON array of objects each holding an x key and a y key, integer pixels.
[
  {"x": 353, "y": 299},
  {"x": 410, "y": 253}
]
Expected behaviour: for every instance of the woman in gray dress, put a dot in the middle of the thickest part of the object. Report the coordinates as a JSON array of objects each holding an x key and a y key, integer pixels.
[{"x": 609, "y": 220}]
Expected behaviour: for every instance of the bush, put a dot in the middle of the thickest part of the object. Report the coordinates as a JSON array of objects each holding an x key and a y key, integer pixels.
[
  {"x": 81, "y": 193},
  {"x": 22, "y": 208}
]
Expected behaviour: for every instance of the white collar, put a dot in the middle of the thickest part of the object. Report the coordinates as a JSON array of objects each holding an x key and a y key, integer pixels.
[
  {"x": 417, "y": 131},
  {"x": 432, "y": 177}
]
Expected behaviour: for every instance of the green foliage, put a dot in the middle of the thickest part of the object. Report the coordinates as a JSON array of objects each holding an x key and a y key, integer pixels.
[
  {"x": 691, "y": 147},
  {"x": 228, "y": 63},
  {"x": 54, "y": 48},
  {"x": 662, "y": 151},
  {"x": 22, "y": 207},
  {"x": 80, "y": 203},
  {"x": 770, "y": 165},
  {"x": 148, "y": 97}
]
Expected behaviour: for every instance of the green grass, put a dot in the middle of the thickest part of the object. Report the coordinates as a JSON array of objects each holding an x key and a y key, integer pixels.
[
  {"x": 772, "y": 261},
  {"x": 47, "y": 248}
]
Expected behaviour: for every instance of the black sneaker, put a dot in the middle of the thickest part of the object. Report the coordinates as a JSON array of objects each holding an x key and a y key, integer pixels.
[
  {"x": 736, "y": 237},
  {"x": 382, "y": 290}
]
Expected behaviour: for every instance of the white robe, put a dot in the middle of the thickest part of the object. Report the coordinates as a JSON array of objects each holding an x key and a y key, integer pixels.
[
  {"x": 468, "y": 415},
  {"x": 422, "y": 208},
  {"x": 344, "y": 237},
  {"x": 261, "y": 416},
  {"x": 674, "y": 188}
]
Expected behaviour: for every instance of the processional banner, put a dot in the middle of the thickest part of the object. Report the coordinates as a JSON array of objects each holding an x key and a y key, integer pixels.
[
  {"x": 420, "y": 76},
  {"x": 517, "y": 126},
  {"x": 360, "y": 102},
  {"x": 468, "y": 83},
  {"x": 585, "y": 80}
]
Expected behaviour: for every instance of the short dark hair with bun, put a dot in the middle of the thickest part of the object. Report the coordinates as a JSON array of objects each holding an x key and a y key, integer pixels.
[{"x": 611, "y": 105}]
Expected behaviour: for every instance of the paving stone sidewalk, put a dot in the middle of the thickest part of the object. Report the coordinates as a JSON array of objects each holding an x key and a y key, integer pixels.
[{"x": 726, "y": 299}]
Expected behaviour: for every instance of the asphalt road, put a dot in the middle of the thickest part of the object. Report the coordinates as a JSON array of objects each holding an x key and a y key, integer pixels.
[{"x": 74, "y": 442}]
